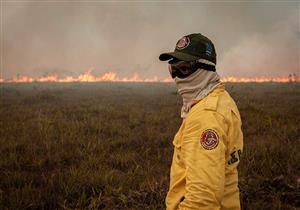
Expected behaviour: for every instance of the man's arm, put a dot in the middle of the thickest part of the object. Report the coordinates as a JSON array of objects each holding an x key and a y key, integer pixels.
[{"x": 203, "y": 150}]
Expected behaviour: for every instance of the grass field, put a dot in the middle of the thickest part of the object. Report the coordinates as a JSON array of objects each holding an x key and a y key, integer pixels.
[{"x": 109, "y": 145}]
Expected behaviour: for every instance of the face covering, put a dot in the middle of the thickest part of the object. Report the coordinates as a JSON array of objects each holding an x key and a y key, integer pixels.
[{"x": 195, "y": 87}]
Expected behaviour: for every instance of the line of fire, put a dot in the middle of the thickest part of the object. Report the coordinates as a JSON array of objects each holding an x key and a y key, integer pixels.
[{"x": 113, "y": 77}]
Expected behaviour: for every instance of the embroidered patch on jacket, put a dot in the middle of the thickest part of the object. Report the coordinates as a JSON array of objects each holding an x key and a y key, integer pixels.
[
  {"x": 209, "y": 139},
  {"x": 182, "y": 43}
]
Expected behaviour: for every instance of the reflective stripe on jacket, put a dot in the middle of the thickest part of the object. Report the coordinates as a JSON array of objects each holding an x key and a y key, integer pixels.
[{"x": 207, "y": 150}]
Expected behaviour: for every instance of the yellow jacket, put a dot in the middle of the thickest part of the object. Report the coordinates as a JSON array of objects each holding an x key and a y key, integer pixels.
[{"x": 207, "y": 150}]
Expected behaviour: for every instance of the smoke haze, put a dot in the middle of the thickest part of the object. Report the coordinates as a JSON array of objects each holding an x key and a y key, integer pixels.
[{"x": 69, "y": 37}]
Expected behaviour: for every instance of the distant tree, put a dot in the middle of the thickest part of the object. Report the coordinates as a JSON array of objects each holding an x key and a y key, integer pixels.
[
  {"x": 296, "y": 78},
  {"x": 290, "y": 78}
]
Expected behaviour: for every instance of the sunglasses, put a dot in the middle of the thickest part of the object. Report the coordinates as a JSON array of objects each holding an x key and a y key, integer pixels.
[{"x": 183, "y": 69}]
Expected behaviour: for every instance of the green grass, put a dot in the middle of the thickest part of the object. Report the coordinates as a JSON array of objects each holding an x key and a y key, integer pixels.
[{"x": 109, "y": 145}]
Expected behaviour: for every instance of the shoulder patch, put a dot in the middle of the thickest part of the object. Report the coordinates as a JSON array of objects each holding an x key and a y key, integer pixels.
[{"x": 209, "y": 139}]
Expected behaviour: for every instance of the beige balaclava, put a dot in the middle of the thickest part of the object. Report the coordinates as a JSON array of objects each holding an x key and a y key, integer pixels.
[{"x": 196, "y": 86}]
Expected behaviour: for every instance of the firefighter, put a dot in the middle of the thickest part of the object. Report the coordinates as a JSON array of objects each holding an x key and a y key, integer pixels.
[{"x": 209, "y": 142}]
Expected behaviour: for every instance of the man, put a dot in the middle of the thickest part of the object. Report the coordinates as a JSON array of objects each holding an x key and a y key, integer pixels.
[{"x": 209, "y": 142}]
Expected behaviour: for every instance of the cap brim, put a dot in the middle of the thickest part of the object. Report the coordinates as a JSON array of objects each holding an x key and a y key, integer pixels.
[{"x": 178, "y": 55}]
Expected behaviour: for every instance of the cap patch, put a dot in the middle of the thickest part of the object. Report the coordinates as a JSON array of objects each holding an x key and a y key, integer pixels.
[
  {"x": 182, "y": 43},
  {"x": 209, "y": 139}
]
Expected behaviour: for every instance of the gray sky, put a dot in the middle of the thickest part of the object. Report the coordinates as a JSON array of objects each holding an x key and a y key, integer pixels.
[{"x": 69, "y": 37}]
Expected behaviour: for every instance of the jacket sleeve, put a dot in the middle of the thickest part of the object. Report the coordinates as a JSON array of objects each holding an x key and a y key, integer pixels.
[{"x": 203, "y": 150}]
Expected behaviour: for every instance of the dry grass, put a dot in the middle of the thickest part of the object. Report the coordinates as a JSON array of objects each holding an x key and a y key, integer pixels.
[{"x": 108, "y": 146}]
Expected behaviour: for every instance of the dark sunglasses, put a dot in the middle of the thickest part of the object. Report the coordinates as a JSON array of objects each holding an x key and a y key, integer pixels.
[{"x": 183, "y": 69}]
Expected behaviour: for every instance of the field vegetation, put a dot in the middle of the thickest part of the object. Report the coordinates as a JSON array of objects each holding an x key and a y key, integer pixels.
[{"x": 109, "y": 145}]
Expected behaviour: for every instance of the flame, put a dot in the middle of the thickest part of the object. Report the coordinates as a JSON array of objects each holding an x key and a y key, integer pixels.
[
  {"x": 85, "y": 77},
  {"x": 290, "y": 78},
  {"x": 113, "y": 77}
]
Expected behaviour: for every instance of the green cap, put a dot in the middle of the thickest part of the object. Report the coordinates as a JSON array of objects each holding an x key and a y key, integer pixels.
[{"x": 192, "y": 47}]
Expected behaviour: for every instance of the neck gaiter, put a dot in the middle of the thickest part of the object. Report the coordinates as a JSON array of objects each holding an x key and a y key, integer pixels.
[{"x": 195, "y": 87}]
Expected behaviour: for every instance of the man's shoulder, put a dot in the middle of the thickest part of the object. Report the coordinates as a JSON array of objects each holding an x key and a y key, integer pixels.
[
  {"x": 226, "y": 105},
  {"x": 219, "y": 102}
]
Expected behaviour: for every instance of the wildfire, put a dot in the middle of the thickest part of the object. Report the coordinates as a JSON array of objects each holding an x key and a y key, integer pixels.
[
  {"x": 85, "y": 77},
  {"x": 290, "y": 78},
  {"x": 113, "y": 77}
]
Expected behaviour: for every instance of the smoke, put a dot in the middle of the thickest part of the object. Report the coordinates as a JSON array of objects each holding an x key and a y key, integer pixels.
[
  {"x": 251, "y": 39},
  {"x": 273, "y": 53}
]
